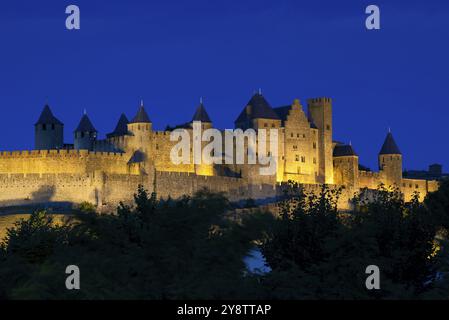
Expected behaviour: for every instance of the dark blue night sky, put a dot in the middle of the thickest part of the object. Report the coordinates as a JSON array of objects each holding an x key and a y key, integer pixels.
[{"x": 172, "y": 52}]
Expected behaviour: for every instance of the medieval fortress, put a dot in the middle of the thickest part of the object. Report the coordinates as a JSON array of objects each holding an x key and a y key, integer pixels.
[{"x": 106, "y": 171}]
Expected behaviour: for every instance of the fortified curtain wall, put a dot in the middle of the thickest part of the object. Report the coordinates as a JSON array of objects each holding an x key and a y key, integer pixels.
[
  {"x": 63, "y": 161},
  {"x": 105, "y": 179},
  {"x": 107, "y": 190}
]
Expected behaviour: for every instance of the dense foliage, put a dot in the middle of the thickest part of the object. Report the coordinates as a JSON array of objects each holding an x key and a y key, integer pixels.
[{"x": 193, "y": 248}]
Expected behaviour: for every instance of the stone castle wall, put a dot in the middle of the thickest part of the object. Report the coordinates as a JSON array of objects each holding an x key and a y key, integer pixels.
[
  {"x": 63, "y": 161},
  {"x": 105, "y": 179},
  {"x": 101, "y": 190}
]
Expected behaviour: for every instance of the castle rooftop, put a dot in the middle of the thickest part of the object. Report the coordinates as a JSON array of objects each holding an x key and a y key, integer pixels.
[
  {"x": 201, "y": 114},
  {"x": 344, "y": 150},
  {"x": 122, "y": 127},
  {"x": 257, "y": 108},
  {"x": 47, "y": 117},
  {"x": 390, "y": 146},
  {"x": 141, "y": 116},
  {"x": 85, "y": 125}
]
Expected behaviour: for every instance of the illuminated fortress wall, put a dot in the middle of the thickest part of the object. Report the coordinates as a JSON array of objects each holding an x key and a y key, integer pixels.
[
  {"x": 63, "y": 161},
  {"x": 110, "y": 170}
]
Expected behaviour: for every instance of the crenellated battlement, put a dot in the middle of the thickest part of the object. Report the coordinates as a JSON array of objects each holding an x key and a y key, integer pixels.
[
  {"x": 320, "y": 100},
  {"x": 162, "y": 133},
  {"x": 60, "y": 153},
  {"x": 368, "y": 174}
]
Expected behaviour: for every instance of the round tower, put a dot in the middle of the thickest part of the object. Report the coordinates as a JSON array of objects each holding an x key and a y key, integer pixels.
[
  {"x": 85, "y": 134},
  {"x": 346, "y": 166},
  {"x": 140, "y": 128},
  {"x": 202, "y": 120},
  {"x": 390, "y": 162},
  {"x": 48, "y": 131}
]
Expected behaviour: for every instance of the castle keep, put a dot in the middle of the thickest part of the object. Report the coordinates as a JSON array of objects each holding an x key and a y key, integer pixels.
[{"x": 106, "y": 171}]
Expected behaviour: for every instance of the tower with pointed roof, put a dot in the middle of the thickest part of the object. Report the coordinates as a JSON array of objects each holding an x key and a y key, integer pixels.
[
  {"x": 390, "y": 162},
  {"x": 85, "y": 134},
  {"x": 140, "y": 129},
  {"x": 258, "y": 114},
  {"x": 121, "y": 129},
  {"x": 48, "y": 131},
  {"x": 202, "y": 118},
  {"x": 320, "y": 114}
]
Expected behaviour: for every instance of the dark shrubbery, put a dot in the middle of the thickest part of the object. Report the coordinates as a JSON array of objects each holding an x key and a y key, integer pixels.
[
  {"x": 324, "y": 254},
  {"x": 192, "y": 248}
]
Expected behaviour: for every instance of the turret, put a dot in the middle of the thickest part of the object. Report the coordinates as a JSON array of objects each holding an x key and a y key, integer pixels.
[
  {"x": 258, "y": 114},
  {"x": 320, "y": 114},
  {"x": 202, "y": 116},
  {"x": 141, "y": 122},
  {"x": 346, "y": 166},
  {"x": 48, "y": 131},
  {"x": 140, "y": 128},
  {"x": 85, "y": 134},
  {"x": 121, "y": 129},
  {"x": 390, "y": 162}
]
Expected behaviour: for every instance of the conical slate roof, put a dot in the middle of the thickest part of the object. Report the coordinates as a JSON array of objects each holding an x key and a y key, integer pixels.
[
  {"x": 47, "y": 117},
  {"x": 122, "y": 127},
  {"x": 141, "y": 116},
  {"x": 85, "y": 125},
  {"x": 390, "y": 146},
  {"x": 201, "y": 114},
  {"x": 259, "y": 109},
  {"x": 344, "y": 150}
]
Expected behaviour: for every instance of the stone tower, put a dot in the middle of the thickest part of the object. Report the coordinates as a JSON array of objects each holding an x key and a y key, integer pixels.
[
  {"x": 117, "y": 137},
  {"x": 257, "y": 114},
  {"x": 202, "y": 116},
  {"x": 140, "y": 128},
  {"x": 48, "y": 131},
  {"x": 390, "y": 162},
  {"x": 121, "y": 129},
  {"x": 346, "y": 166},
  {"x": 320, "y": 114},
  {"x": 202, "y": 120},
  {"x": 85, "y": 134}
]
